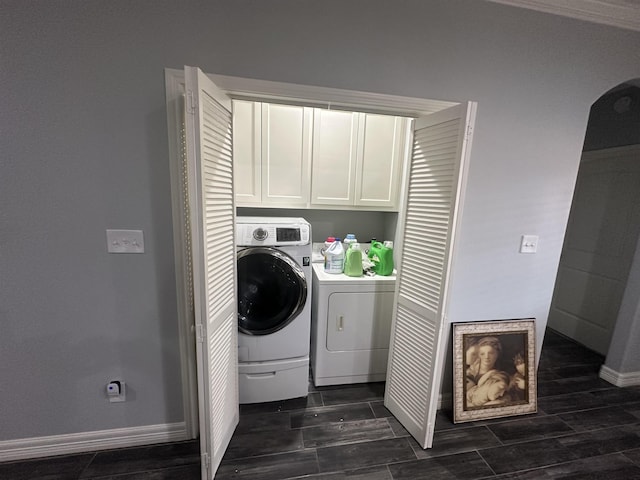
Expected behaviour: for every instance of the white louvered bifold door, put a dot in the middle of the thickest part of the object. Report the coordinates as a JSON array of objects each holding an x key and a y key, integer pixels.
[
  {"x": 416, "y": 355},
  {"x": 209, "y": 142}
]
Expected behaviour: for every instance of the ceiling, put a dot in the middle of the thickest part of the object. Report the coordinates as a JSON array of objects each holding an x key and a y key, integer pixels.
[{"x": 617, "y": 13}]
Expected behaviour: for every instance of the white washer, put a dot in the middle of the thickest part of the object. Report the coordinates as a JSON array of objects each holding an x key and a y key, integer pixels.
[
  {"x": 274, "y": 307},
  {"x": 351, "y": 327}
]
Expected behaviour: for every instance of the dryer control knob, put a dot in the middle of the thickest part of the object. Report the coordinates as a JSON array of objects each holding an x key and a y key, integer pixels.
[{"x": 260, "y": 234}]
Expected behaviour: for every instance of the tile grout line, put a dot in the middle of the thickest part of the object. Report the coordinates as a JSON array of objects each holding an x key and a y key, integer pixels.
[
  {"x": 543, "y": 467},
  {"x": 486, "y": 463},
  {"x": 84, "y": 469},
  {"x": 494, "y": 435}
]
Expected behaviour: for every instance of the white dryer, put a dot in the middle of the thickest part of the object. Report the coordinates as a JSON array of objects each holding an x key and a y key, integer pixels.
[
  {"x": 351, "y": 327},
  {"x": 274, "y": 307}
]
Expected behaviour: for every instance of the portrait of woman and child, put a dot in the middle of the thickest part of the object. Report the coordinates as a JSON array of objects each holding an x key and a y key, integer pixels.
[{"x": 495, "y": 371}]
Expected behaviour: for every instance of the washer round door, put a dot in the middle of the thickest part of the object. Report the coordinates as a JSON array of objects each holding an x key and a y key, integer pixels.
[{"x": 272, "y": 290}]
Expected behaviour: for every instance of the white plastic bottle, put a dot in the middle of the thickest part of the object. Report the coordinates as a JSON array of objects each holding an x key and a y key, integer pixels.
[
  {"x": 334, "y": 258},
  {"x": 348, "y": 240},
  {"x": 327, "y": 244}
]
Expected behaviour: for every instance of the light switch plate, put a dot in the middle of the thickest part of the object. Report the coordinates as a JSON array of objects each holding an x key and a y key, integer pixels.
[
  {"x": 529, "y": 244},
  {"x": 125, "y": 241}
]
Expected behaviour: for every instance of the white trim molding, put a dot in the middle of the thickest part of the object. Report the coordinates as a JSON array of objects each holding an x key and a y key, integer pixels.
[
  {"x": 90, "y": 441},
  {"x": 616, "y": 13},
  {"x": 619, "y": 379},
  {"x": 312, "y": 95},
  {"x": 175, "y": 108}
]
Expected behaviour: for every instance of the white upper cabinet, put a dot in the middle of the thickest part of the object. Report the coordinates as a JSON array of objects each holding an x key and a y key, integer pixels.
[
  {"x": 303, "y": 157},
  {"x": 333, "y": 172},
  {"x": 286, "y": 154},
  {"x": 380, "y": 160},
  {"x": 271, "y": 154},
  {"x": 357, "y": 159},
  {"x": 247, "y": 154}
]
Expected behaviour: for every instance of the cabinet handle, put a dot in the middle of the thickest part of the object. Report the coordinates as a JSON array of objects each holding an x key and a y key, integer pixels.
[
  {"x": 261, "y": 375},
  {"x": 340, "y": 323}
]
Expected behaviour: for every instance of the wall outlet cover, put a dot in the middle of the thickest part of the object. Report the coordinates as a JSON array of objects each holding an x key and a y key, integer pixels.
[
  {"x": 116, "y": 391},
  {"x": 125, "y": 241},
  {"x": 529, "y": 244}
]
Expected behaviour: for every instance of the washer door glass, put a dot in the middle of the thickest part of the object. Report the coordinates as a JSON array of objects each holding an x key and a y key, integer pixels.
[{"x": 272, "y": 290}]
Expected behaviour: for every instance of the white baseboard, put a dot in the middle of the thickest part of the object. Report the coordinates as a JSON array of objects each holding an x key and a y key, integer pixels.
[
  {"x": 619, "y": 379},
  {"x": 90, "y": 441}
]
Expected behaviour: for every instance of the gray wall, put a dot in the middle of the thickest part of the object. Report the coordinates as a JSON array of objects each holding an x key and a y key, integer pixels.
[{"x": 84, "y": 148}]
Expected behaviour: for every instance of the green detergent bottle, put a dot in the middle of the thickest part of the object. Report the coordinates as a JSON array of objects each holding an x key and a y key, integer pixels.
[
  {"x": 382, "y": 258},
  {"x": 353, "y": 260}
]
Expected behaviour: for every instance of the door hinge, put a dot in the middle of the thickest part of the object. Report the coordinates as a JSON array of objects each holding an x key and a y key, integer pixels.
[
  {"x": 200, "y": 333},
  {"x": 191, "y": 102},
  {"x": 206, "y": 461},
  {"x": 469, "y": 131}
]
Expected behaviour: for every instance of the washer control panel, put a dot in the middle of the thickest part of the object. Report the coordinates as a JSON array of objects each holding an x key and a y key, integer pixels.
[{"x": 272, "y": 234}]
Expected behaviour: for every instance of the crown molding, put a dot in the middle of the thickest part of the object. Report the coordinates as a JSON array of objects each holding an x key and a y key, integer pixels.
[{"x": 617, "y": 13}]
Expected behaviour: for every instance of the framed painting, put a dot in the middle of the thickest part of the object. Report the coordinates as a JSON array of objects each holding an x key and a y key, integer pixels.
[{"x": 494, "y": 372}]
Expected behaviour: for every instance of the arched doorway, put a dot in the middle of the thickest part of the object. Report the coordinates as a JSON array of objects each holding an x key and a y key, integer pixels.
[{"x": 604, "y": 223}]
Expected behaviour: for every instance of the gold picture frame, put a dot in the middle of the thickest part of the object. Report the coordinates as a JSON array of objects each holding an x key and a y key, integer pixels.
[{"x": 494, "y": 372}]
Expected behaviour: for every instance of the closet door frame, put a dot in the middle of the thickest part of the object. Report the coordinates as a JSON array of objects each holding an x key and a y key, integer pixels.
[{"x": 258, "y": 90}]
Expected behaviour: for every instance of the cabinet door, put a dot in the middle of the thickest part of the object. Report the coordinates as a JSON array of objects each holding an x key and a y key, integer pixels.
[
  {"x": 286, "y": 154},
  {"x": 333, "y": 165},
  {"x": 247, "y": 154},
  {"x": 359, "y": 321},
  {"x": 380, "y": 160}
]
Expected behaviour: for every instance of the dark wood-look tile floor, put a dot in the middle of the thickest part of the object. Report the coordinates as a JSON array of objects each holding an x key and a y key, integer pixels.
[{"x": 585, "y": 428}]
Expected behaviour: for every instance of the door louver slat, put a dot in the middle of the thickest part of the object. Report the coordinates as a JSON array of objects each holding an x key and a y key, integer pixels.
[
  {"x": 432, "y": 192},
  {"x": 222, "y": 349},
  {"x": 219, "y": 244},
  {"x": 408, "y": 329},
  {"x": 218, "y": 198},
  {"x": 210, "y": 185}
]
